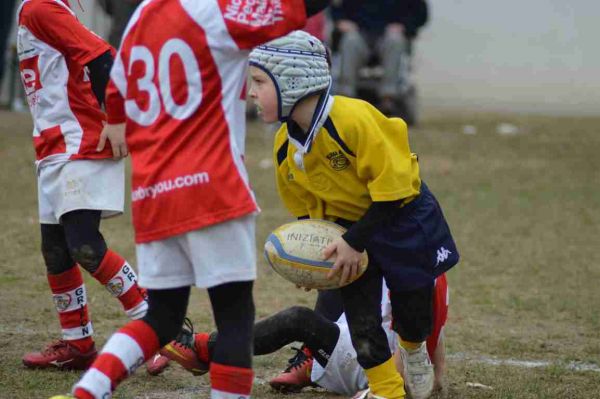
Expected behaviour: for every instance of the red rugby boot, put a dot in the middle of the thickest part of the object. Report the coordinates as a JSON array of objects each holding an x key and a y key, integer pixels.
[
  {"x": 157, "y": 364},
  {"x": 183, "y": 351},
  {"x": 62, "y": 355},
  {"x": 297, "y": 375}
]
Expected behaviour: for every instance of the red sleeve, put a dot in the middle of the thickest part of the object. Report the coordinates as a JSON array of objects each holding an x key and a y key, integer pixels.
[
  {"x": 55, "y": 25},
  {"x": 115, "y": 105},
  {"x": 252, "y": 22}
]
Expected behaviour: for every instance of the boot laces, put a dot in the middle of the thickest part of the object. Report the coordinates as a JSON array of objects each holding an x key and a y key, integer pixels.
[
  {"x": 55, "y": 347},
  {"x": 186, "y": 335},
  {"x": 297, "y": 361}
]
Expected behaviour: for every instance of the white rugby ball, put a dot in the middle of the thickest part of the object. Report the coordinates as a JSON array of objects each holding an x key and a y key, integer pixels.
[{"x": 295, "y": 251}]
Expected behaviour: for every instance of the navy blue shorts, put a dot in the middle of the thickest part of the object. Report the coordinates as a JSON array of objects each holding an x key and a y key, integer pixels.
[{"x": 416, "y": 245}]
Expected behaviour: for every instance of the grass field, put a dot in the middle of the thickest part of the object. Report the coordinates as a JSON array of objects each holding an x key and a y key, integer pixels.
[{"x": 525, "y": 212}]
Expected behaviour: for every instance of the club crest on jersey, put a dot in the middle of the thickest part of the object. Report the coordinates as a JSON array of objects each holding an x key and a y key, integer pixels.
[
  {"x": 338, "y": 160},
  {"x": 115, "y": 286},
  {"x": 62, "y": 301}
]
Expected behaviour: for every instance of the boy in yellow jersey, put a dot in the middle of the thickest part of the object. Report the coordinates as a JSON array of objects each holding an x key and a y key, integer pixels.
[{"x": 340, "y": 159}]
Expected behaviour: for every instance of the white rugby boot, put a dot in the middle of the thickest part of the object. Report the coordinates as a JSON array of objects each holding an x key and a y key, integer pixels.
[{"x": 418, "y": 376}]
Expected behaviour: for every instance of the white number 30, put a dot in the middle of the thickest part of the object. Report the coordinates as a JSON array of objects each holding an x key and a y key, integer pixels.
[{"x": 173, "y": 47}]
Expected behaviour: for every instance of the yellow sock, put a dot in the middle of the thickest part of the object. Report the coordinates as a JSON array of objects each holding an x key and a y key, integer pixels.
[
  {"x": 410, "y": 346},
  {"x": 385, "y": 381}
]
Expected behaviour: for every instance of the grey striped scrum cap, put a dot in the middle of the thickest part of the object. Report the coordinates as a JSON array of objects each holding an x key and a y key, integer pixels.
[{"x": 298, "y": 65}]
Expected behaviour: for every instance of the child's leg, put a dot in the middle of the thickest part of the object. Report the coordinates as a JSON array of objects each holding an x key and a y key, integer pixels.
[
  {"x": 135, "y": 343},
  {"x": 231, "y": 373},
  {"x": 412, "y": 313},
  {"x": 295, "y": 324},
  {"x": 66, "y": 283},
  {"x": 362, "y": 304},
  {"x": 439, "y": 363},
  {"x": 88, "y": 248},
  {"x": 330, "y": 304}
]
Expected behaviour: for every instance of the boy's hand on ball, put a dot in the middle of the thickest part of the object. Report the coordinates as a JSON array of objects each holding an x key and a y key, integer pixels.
[{"x": 347, "y": 262}]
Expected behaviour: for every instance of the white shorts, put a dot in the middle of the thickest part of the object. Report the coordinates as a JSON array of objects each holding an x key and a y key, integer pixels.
[
  {"x": 342, "y": 374},
  {"x": 214, "y": 255},
  {"x": 81, "y": 184}
]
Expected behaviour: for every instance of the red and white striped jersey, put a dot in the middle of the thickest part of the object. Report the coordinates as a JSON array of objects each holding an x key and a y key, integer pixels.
[
  {"x": 53, "y": 49},
  {"x": 179, "y": 84}
]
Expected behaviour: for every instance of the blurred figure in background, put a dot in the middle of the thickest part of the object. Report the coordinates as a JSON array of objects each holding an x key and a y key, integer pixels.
[
  {"x": 382, "y": 28},
  {"x": 315, "y": 25},
  {"x": 6, "y": 19},
  {"x": 120, "y": 12}
]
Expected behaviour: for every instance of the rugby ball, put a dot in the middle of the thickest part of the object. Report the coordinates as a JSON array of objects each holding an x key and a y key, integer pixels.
[{"x": 295, "y": 251}]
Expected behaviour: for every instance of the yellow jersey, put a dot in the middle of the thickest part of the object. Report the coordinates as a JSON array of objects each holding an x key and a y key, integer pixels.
[{"x": 355, "y": 155}]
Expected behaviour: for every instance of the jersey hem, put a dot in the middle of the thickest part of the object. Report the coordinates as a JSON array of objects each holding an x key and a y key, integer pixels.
[
  {"x": 393, "y": 196},
  {"x": 195, "y": 224}
]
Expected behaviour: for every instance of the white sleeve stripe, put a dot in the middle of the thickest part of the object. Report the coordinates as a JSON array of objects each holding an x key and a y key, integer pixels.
[{"x": 117, "y": 74}]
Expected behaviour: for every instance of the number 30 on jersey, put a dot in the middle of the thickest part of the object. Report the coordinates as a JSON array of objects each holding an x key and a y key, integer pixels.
[{"x": 173, "y": 47}]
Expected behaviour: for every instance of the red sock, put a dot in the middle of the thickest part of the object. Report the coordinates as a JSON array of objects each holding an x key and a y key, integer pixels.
[
  {"x": 120, "y": 280},
  {"x": 125, "y": 351},
  {"x": 70, "y": 299},
  {"x": 201, "y": 346},
  {"x": 230, "y": 382}
]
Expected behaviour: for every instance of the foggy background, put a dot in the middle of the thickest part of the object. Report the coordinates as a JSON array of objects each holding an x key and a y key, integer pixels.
[
  {"x": 518, "y": 55},
  {"x": 537, "y": 56}
]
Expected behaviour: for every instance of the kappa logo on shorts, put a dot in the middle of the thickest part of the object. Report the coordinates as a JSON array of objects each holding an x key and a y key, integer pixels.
[
  {"x": 338, "y": 160},
  {"x": 115, "y": 286},
  {"x": 62, "y": 301},
  {"x": 442, "y": 255}
]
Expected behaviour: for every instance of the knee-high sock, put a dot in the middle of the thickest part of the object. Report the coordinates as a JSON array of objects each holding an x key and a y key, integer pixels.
[
  {"x": 120, "y": 280},
  {"x": 124, "y": 352},
  {"x": 229, "y": 382},
  {"x": 70, "y": 299}
]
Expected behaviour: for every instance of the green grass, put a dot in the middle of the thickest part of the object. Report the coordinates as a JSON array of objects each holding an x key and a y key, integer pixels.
[{"x": 525, "y": 212}]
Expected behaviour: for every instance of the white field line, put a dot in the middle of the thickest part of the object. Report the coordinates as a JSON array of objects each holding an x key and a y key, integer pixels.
[{"x": 491, "y": 361}]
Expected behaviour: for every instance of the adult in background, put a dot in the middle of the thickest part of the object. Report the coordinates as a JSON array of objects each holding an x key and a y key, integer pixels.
[
  {"x": 386, "y": 27},
  {"x": 6, "y": 19},
  {"x": 120, "y": 12}
]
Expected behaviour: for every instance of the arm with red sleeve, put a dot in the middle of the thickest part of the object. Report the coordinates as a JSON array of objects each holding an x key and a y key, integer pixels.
[
  {"x": 57, "y": 26},
  {"x": 115, "y": 93},
  {"x": 251, "y": 22}
]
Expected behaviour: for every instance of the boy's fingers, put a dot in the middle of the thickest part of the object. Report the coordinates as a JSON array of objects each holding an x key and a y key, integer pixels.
[
  {"x": 116, "y": 151},
  {"x": 345, "y": 275},
  {"x": 334, "y": 270},
  {"x": 101, "y": 143},
  {"x": 124, "y": 150},
  {"x": 328, "y": 251}
]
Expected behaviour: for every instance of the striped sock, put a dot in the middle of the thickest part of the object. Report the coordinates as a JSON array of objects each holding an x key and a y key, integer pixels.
[
  {"x": 229, "y": 382},
  {"x": 125, "y": 351},
  {"x": 120, "y": 280},
  {"x": 70, "y": 299}
]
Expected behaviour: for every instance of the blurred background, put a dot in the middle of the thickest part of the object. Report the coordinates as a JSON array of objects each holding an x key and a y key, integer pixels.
[{"x": 526, "y": 56}]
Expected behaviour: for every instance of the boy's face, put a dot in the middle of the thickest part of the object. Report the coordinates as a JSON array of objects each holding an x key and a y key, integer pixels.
[{"x": 262, "y": 91}]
